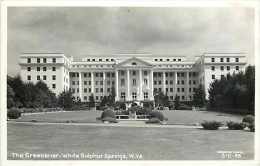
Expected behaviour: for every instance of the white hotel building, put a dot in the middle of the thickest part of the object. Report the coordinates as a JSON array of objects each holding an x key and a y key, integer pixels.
[{"x": 135, "y": 77}]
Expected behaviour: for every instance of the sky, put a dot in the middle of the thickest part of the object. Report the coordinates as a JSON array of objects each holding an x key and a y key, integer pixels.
[{"x": 84, "y": 31}]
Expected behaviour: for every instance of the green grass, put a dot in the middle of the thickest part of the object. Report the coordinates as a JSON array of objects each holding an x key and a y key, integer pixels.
[
  {"x": 174, "y": 117},
  {"x": 152, "y": 143}
]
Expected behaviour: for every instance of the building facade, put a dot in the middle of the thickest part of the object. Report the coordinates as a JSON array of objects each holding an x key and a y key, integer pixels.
[{"x": 132, "y": 77}]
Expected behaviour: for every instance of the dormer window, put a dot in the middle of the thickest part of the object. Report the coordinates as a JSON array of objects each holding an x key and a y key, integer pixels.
[{"x": 133, "y": 63}]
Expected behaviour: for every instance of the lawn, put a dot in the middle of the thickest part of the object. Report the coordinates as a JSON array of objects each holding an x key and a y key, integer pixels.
[
  {"x": 174, "y": 117},
  {"x": 152, "y": 143}
]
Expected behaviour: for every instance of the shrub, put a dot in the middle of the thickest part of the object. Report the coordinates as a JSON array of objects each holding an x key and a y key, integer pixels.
[
  {"x": 109, "y": 119},
  {"x": 108, "y": 113},
  {"x": 251, "y": 127},
  {"x": 235, "y": 126},
  {"x": 211, "y": 125},
  {"x": 249, "y": 119},
  {"x": 153, "y": 120},
  {"x": 13, "y": 113},
  {"x": 157, "y": 114}
]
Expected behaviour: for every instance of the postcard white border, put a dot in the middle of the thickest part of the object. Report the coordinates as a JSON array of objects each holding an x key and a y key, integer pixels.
[{"x": 115, "y": 3}]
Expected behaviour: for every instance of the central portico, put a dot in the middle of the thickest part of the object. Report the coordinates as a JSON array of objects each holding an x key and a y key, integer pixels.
[{"x": 134, "y": 80}]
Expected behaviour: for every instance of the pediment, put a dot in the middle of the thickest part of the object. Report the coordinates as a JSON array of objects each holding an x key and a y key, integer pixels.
[{"x": 134, "y": 62}]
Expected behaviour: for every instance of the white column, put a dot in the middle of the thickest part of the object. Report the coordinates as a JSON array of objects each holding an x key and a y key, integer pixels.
[
  {"x": 164, "y": 91},
  {"x": 117, "y": 95},
  {"x": 92, "y": 82},
  {"x": 80, "y": 86},
  {"x": 140, "y": 85},
  {"x": 175, "y": 84},
  {"x": 104, "y": 83},
  {"x": 128, "y": 85},
  {"x": 187, "y": 86},
  {"x": 151, "y": 85}
]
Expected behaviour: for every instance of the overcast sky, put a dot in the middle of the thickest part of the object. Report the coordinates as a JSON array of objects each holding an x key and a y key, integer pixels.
[{"x": 82, "y": 31}]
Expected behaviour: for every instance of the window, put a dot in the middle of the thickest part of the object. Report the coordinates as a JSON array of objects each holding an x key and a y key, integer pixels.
[
  {"x": 171, "y": 89},
  {"x": 93, "y": 60},
  {"x": 182, "y": 74},
  {"x": 228, "y": 67},
  {"x": 155, "y": 82},
  {"x": 160, "y": 82},
  {"x": 107, "y": 60},
  {"x": 101, "y": 90},
  {"x": 134, "y": 73},
  {"x": 222, "y": 76},
  {"x": 166, "y": 89},
  {"x": 227, "y": 59},
  {"x": 145, "y": 95},
  {"x": 38, "y": 68},
  {"x": 100, "y": 60},
  {"x": 178, "y": 82},
  {"x": 96, "y": 74},
  {"x": 171, "y": 82},
  {"x": 237, "y": 67},
  {"x": 167, "y": 59},
  {"x": 38, "y": 77},
  {"x": 221, "y": 67},
  {"x": 237, "y": 59},
  {"x": 38, "y": 60},
  {"x": 134, "y": 82},
  {"x": 182, "y": 82},
  {"x": 161, "y": 60},
  {"x": 53, "y": 60},
  {"x": 108, "y": 89},
  {"x": 44, "y": 60},
  {"x": 28, "y": 60},
  {"x": 179, "y": 60},
  {"x": 189, "y": 89},
  {"x": 28, "y": 78},
  {"x": 182, "y": 97},
  {"x": 166, "y": 82},
  {"x": 212, "y": 59},
  {"x": 96, "y": 97},
  {"x": 122, "y": 82},
  {"x": 145, "y": 73},
  {"x": 44, "y": 68},
  {"x": 145, "y": 81},
  {"x": 44, "y": 77},
  {"x": 73, "y": 82},
  {"x": 28, "y": 68},
  {"x": 96, "y": 90},
  {"x": 122, "y": 73},
  {"x": 213, "y": 76},
  {"x": 212, "y": 68},
  {"x": 85, "y": 90},
  {"x": 134, "y": 95},
  {"x": 133, "y": 63},
  {"x": 85, "y": 82},
  {"x": 89, "y": 90},
  {"x": 96, "y": 83},
  {"x": 123, "y": 95},
  {"x": 174, "y": 60},
  {"x": 54, "y": 69},
  {"x": 178, "y": 89},
  {"x": 155, "y": 59},
  {"x": 54, "y": 77},
  {"x": 166, "y": 74},
  {"x": 101, "y": 82},
  {"x": 182, "y": 89},
  {"x": 221, "y": 59},
  {"x": 108, "y": 74}
]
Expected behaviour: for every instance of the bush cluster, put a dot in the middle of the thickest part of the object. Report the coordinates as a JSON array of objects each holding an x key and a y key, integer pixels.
[
  {"x": 158, "y": 115},
  {"x": 211, "y": 125},
  {"x": 249, "y": 120},
  {"x": 108, "y": 115},
  {"x": 235, "y": 126},
  {"x": 153, "y": 120},
  {"x": 13, "y": 113}
]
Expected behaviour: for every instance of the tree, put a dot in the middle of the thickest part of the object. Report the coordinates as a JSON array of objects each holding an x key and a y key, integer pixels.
[
  {"x": 91, "y": 101},
  {"x": 176, "y": 102},
  {"x": 199, "y": 97},
  {"x": 236, "y": 91},
  {"x": 161, "y": 99},
  {"x": 10, "y": 96},
  {"x": 65, "y": 99}
]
